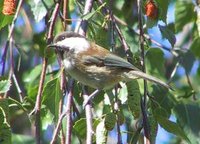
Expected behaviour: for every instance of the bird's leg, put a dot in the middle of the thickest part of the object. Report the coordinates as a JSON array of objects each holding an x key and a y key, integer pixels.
[{"x": 85, "y": 102}]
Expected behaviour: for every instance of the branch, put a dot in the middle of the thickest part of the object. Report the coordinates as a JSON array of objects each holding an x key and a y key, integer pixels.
[
  {"x": 143, "y": 102},
  {"x": 42, "y": 78}
]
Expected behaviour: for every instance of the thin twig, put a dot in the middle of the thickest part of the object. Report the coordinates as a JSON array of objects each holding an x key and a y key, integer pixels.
[
  {"x": 69, "y": 112},
  {"x": 65, "y": 3},
  {"x": 190, "y": 84},
  {"x": 42, "y": 78},
  {"x": 144, "y": 101},
  {"x": 88, "y": 113},
  {"x": 84, "y": 23},
  {"x": 57, "y": 129},
  {"x": 18, "y": 87}
]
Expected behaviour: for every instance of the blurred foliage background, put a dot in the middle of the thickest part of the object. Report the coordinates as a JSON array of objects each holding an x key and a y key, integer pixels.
[{"x": 171, "y": 42}]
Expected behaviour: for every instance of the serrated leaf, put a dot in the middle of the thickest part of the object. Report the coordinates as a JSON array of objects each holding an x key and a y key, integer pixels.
[
  {"x": 51, "y": 96},
  {"x": 101, "y": 133},
  {"x": 4, "y": 86},
  {"x": 168, "y": 34},
  {"x": 120, "y": 117},
  {"x": 184, "y": 13},
  {"x": 134, "y": 98},
  {"x": 195, "y": 47},
  {"x": 171, "y": 127},
  {"x": 153, "y": 128},
  {"x": 110, "y": 120}
]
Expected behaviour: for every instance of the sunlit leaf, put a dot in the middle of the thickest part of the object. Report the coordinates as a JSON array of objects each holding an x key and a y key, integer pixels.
[
  {"x": 52, "y": 95},
  {"x": 4, "y": 86}
]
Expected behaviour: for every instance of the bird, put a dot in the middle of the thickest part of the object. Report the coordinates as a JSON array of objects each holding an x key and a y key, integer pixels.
[{"x": 94, "y": 66}]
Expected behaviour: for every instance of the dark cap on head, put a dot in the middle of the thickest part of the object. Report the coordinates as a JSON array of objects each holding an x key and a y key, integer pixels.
[{"x": 64, "y": 35}]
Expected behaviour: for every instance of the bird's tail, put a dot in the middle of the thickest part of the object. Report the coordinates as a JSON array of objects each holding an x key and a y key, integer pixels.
[{"x": 139, "y": 74}]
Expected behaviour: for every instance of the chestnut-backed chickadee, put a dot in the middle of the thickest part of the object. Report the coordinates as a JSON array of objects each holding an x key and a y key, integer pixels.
[{"x": 94, "y": 66}]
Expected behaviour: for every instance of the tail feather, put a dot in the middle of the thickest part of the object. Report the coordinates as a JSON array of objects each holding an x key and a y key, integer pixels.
[{"x": 139, "y": 74}]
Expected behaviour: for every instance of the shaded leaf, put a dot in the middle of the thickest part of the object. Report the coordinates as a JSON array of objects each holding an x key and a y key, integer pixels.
[
  {"x": 110, "y": 120},
  {"x": 195, "y": 47},
  {"x": 171, "y": 127},
  {"x": 188, "y": 116},
  {"x": 168, "y": 34},
  {"x": 153, "y": 124},
  {"x": 134, "y": 98},
  {"x": 155, "y": 59},
  {"x": 187, "y": 61},
  {"x": 184, "y": 13},
  {"x": 163, "y": 7}
]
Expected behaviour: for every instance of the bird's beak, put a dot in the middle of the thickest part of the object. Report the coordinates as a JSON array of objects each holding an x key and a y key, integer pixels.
[{"x": 52, "y": 46}]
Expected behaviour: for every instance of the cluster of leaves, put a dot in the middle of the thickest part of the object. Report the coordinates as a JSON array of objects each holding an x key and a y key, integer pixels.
[{"x": 183, "y": 35}]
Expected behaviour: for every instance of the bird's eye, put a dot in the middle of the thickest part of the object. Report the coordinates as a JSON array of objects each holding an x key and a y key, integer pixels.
[{"x": 62, "y": 38}]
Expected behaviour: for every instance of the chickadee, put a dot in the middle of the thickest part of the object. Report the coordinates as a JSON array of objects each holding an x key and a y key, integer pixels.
[{"x": 95, "y": 66}]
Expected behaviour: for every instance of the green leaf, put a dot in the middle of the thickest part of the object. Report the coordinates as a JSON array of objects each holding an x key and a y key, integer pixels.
[
  {"x": 187, "y": 61},
  {"x": 168, "y": 34},
  {"x": 153, "y": 124},
  {"x": 4, "y": 86},
  {"x": 80, "y": 127},
  {"x": 91, "y": 14},
  {"x": 195, "y": 47},
  {"x": 171, "y": 127},
  {"x": 188, "y": 116},
  {"x": 110, "y": 120},
  {"x": 163, "y": 99},
  {"x": 22, "y": 139},
  {"x": 134, "y": 98},
  {"x": 52, "y": 95},
  {"x": 38, "y": 7},
  {"x": 198, "y": 21},
  {"x": 155, "y": 59},
  {"x": 184, "y": 13},
  {"x": 5, "y": 130},
  {"x": 163, "y": 7}
]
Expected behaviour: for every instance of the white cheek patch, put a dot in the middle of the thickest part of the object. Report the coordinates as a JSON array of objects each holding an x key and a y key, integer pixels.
[{"x": 77, "y": 44}]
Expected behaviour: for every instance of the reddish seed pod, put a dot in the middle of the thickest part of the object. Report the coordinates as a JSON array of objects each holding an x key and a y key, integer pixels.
[
  {"x": 9, "y": 7},
  {"x": 151, "y": 9}
]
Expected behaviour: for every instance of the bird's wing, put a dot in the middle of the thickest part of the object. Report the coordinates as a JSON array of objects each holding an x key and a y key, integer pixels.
[{"x": 116, "y": 61}]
